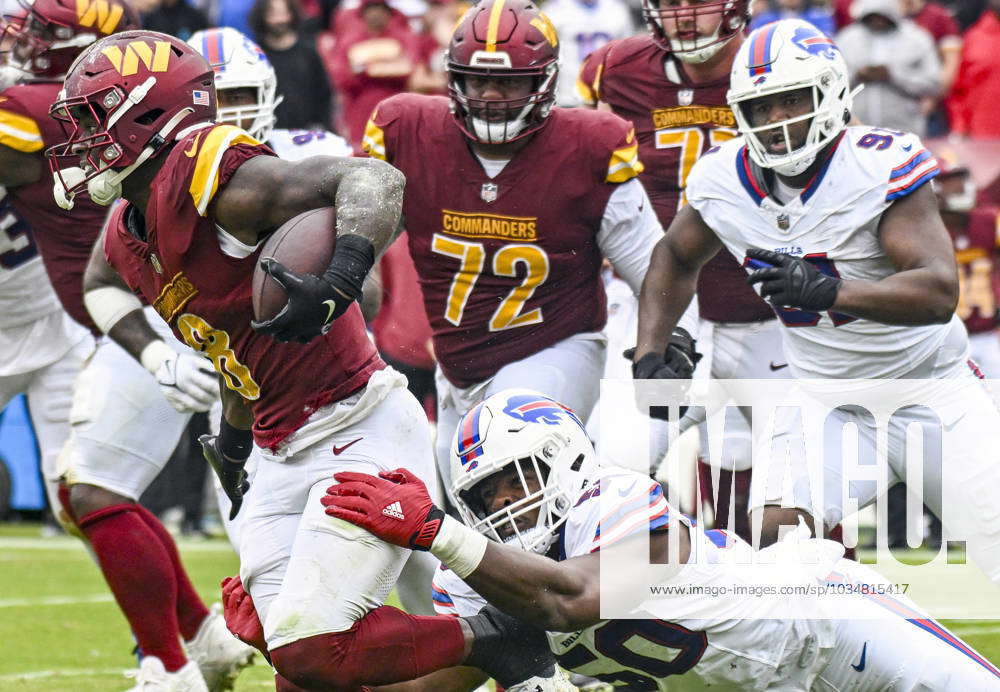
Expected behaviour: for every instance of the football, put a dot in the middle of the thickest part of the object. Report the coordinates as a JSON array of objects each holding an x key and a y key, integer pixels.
[{"x": 304, "y": 245}]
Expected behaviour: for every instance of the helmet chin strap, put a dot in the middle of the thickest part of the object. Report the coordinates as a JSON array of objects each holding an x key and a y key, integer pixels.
[{"x": 105, "y": 187}]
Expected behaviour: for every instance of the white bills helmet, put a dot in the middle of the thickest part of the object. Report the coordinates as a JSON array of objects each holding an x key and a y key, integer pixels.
[
  {"x": 783, "y": 56},
  {"x": 239, "y": 63},
  {"x": 540, "y": 438}
]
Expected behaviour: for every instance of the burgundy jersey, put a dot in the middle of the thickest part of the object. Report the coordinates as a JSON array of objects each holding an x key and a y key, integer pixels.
[
  {"x": 976, "y": 243},
  {"x": 205, "y": 295},
  {"x": 509, "y": 265},
  {"x": 64, "y": 238},
  {"x": 676, "y": 121}
]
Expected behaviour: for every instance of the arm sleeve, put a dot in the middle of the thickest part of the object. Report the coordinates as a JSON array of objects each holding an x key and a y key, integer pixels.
[{"x": 629, "y": 231}]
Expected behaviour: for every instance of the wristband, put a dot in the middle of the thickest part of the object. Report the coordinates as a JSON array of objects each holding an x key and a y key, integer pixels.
[
  {"x": 352, "y": 260},
  {"x": 108, "y": 304},
  {"x": 234, "y": 443},
  {"x": 459, "y": 547},
  {"x": 153, "y": 355}
]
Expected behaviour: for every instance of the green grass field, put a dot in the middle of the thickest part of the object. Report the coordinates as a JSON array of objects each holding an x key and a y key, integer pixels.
[{"x": 63, "y": 632}]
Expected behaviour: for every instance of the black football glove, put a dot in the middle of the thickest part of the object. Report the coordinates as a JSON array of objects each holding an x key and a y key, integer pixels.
[
  {"x": 314, "y": 302},
  {"x": 676, "y": 363},
  {"x": 792, "y": 282},
  {"x": 508, "y": 649},
  {"x": 231, "y": 472}
]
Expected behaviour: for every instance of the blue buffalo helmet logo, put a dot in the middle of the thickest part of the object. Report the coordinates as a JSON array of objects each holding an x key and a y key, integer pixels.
[
  {"x": 535, "y": 409},
  {"x": 814, "y": 42}
]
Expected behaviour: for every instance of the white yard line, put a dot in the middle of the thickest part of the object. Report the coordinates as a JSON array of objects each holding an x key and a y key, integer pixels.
[
  {"x": 69, "y": 543},
  {"x": 975, "y": 629},
  {"x": 68, "y": 673},
  {"x": 55, "y": 600}
]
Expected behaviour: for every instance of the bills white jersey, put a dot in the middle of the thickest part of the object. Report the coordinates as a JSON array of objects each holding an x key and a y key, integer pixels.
[
  {"x": 833, "y": 223},
  {"x": 294, "y": 145},
  {"x": 25, "y": 292},
  {"x": 583, "y": 28},
  {"x": 722, "y": 648}
]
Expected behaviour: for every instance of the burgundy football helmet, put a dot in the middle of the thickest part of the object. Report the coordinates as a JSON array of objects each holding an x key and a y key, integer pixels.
[
  {"x": 124, "y": 99},
  {"x": 45, "y": 36},
  {"x": 734, "y": 16},
  {"x": 503, "y": 38}
]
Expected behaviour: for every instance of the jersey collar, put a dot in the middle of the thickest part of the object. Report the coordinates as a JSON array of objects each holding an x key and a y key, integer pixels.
[{"x": 754, "y": 181}]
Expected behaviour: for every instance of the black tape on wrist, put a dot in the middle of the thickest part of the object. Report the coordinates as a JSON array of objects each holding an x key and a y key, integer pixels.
[
  {"x": 234, "y": 443},
  {"x": 352, "y": 260}
]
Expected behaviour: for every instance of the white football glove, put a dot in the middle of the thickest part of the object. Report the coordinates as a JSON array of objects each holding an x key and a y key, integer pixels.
[
  {"x": 188, "y": 381},
  {"x": 559, "y": 682}
]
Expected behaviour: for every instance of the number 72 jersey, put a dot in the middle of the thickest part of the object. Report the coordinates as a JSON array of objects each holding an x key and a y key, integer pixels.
[
  {"x": 833, "y": 223},
  {"x": 510, "y": 264}
]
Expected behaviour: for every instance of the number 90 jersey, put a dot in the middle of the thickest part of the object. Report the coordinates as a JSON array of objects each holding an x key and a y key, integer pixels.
[
  {"x": 705, "y": 646},
  {"x": 510, "y": 264},
  {"x": 834, "y": 223}
]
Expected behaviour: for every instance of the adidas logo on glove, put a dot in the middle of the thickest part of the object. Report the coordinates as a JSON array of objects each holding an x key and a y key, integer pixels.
[{"x": 395, "y": 510}]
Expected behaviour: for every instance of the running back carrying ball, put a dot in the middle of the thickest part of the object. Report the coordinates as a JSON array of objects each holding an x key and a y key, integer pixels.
[{"x": 303, "y": 245}]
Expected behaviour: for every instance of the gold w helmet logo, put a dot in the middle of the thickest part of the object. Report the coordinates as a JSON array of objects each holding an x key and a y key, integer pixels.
[
  {"x": 155, "y": 58},
  {"x": 99, "y": 14}
]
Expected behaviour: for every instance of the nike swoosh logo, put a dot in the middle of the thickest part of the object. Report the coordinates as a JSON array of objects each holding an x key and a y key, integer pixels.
[
  {"x": 906, "y": 147},
  {"x": 331, "y": 307},
  {"x": 190, "y": 151},
  {"x": 860, "y": 665},
  {"x": 778, "y": 367},
  {"x": 337, "y": 451}
]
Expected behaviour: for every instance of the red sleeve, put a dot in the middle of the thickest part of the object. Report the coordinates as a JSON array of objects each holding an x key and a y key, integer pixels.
[
  {"x": 238, "y": 154},
  {"x": 588, "y": 84},
  {"x": 125, "y": 257}
]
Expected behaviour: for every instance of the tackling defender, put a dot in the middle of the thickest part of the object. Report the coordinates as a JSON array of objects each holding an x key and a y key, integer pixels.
[
  {"x": 540, "y": 511},
  {"x": 845, "y": 241}
]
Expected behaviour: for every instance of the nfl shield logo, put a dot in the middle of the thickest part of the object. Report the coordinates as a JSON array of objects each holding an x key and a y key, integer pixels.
[
  {"x": 489, "y": 193},
  {"x": 155, "y": 261},
  {"x": 685, "y": 97},
  {"x": 783, "y": 221}
]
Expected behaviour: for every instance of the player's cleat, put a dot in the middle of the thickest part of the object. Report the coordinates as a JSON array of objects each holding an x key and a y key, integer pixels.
[
  {"x": 219, "y": 654},
  {"x": 153, "y": 677}
]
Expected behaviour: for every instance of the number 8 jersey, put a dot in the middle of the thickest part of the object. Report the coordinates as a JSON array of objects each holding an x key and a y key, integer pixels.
[
  {"x": 509, "y": 263},
  {"x": 834, "y": 223}
]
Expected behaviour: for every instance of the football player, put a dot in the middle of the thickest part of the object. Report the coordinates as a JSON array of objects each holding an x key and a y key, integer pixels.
[
  {"x": 585, "y": 25},
  {"x": 509, "y": 234},
  {"x": 42, "y": 347},
  {"x": 844, "y": 239},
  {"x": 312, "y": 395},
  {"x": 671, "y": 84},
  {"x": 539, "y": 512},
  {"x": 246, "y": 89},
  {"x": 973, "y": 230},
  {"x": 110, "y": 457}
]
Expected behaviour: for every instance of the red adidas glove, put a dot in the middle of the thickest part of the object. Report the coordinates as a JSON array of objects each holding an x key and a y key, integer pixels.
[
  {"x": 241, "y": 616},
  {"x": 395, "y": 506}
]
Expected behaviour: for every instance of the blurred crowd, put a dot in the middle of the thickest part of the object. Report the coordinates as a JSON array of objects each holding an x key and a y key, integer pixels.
[{"x": 928, "y": 66}]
